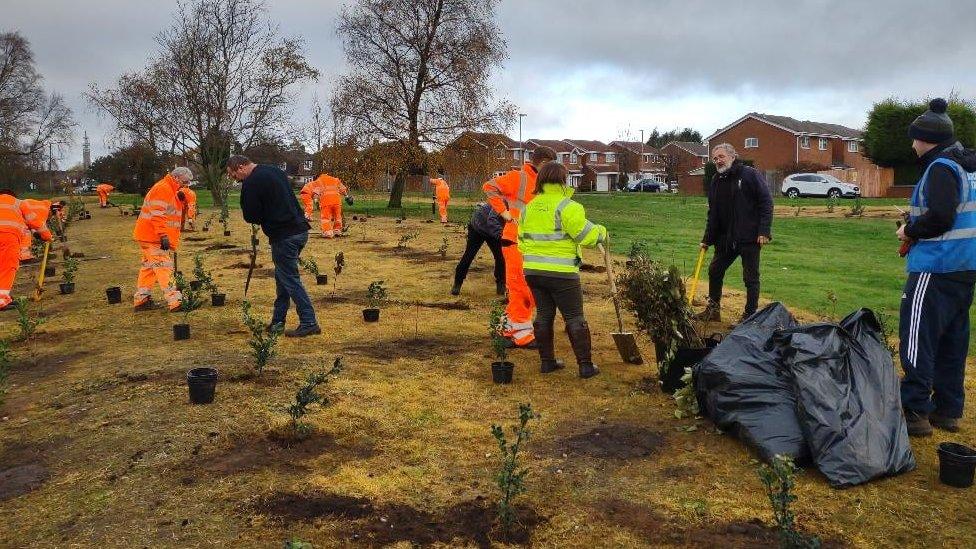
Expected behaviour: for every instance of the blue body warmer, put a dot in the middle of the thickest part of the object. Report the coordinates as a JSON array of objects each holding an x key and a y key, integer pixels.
[{"x": 955, "y": 250}]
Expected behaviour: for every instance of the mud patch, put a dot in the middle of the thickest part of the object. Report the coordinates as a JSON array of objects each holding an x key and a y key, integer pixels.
[
  {"x": 587, "y": 268},
  {"x": 242, "y": 265},
  {"x": 452, "y": 306},
  {"x": 262, "y": 453},
  {"x": 195, "y": 238},
  {"x": 24, "y": 469},
  {"x": 614, "y": 441},
  {"x": 414, "y": 256},
  {"x": 414, "y": 348},
  {"x": 679, "y": 472},
  {"x": 364, "y": 522},
  {"x": 215, "y": 247}
]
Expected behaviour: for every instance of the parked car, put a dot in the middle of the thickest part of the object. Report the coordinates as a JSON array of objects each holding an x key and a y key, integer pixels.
[
  {"x": 815, "y": 184},
  {"x": 645, "y": 186}
]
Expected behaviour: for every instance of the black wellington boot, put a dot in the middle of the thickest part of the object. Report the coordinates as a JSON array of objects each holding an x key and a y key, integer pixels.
[
  {"x": 547, "y": 352},
  {"x": 579, "y": 337}
]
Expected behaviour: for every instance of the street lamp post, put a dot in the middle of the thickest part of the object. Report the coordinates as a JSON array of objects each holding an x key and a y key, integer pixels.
[
  {"x": 640, "y": 161},
  {"x": 521, "y": 150}
]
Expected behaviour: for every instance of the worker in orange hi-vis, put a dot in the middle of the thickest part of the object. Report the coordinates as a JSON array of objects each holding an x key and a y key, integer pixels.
[
  {"x": 442, "y": 194},
  {"x": 331, "y": 191},
  {"x": 157, "y": 232},
  {"x": 103, "y": 190},
  {"x": 15, "y": 216},
  {"x": 508, "y": 194},
  {"x": 42, "y": 209},
  {"x": 191, "y": 206},
  {"x": 308, "y": 195}
]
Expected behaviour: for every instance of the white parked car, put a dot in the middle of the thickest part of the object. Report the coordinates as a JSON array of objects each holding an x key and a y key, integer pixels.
[{"x": 815, "y": 184}]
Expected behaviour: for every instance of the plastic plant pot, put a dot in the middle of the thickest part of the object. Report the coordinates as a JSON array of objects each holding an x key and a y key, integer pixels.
[
  {"x": 63, "y": 238},
  {"x": 501, "y": 372},
  {"x": 322, "y": 279},
  {"x": 957, "y": 464},
  {"x": 67, "y": 287},
  {"x": 206, "y": 229},
  {"x": 114, "y": 295},
  {"x": 226, "y": 233},
  {"x": 181, "y": 331},
  {"x": 371, "y": 315},
  {"x": 217, "y": 300},
  {"x": 202, "y": 383},
  {"x": 49, "y": 271},
  {"x": 196, "y": 284}
]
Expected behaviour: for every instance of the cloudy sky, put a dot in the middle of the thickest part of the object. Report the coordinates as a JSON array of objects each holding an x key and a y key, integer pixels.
[{"x": 591, "y": 69}]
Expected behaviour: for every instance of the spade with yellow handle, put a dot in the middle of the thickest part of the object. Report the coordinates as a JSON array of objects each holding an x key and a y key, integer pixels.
[
  {"x": 40, "y": 275},
  {"x": 694, "y": 279}
]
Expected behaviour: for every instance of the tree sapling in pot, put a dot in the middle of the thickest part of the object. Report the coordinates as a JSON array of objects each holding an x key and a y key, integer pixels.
[
  {"x": 312, "y": 268},
  {"x": 340, "y": 263},
  {"x": 68, "y": 270},
  {"x": 190, "y": 301},
  {"x": 376, "y": 294},
  {"x": 501, "y": 369},
  {"x": 205, "y": 281},
  {"x": 225, "y": 217}
]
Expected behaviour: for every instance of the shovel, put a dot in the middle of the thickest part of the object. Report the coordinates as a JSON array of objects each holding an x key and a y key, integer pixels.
[
  {"x": 625, "y": 341},
  {"x": 694, "y": 280},
  {"x": 40, "y": 276}
]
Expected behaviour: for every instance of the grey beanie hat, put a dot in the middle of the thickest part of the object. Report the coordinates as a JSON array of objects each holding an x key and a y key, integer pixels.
[{"x": 933, "y": 125}]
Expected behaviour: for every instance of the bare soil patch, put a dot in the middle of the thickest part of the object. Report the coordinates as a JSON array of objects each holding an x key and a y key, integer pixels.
[
  {"x": 263, "y": 452},
  {"x": 587, "y": 268},
  {"x": 614, "y": 441},
  {"x": 215, "y": 247},
  {"x": 414, "y": 348},
  {"x": 24, "y": 469},
  {"x": 242, "y": 265}
]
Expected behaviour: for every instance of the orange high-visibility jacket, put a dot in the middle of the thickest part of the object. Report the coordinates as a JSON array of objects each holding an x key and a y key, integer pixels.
[
  {"x": 441, "y": 191},
  {"x": 161, "y": 213},
  {"x": 191, "y": 201},
  {"x": 310, "y": 190},
  {"x": 331, "y": 190},
  {"x": 510, "y": 192},
  {"x": 104, "y": 188},
  {"x": 15, "y": 216},
  {"x": 40, "y": 208}
]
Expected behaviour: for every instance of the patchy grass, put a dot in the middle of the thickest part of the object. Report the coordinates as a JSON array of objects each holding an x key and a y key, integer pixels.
[{"x": 100, "y": 447}]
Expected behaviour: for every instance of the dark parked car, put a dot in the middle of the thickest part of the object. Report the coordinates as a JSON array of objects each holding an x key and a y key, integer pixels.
[{"x": 644, "y": 186}]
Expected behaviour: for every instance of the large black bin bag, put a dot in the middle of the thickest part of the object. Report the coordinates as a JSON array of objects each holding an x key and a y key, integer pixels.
[
  {"x": 742, "y": 388},
  {"x": 847, "y": 396}
]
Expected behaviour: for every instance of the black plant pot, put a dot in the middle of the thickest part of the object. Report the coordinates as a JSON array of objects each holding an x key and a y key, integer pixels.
[
  {"x": 957, "y": 464},
  {"x": 226, "y": 233},
  {"x": 114, "y": 295},
  {"x": 501, "y": 372},
  {"x": 355, "y": 218},
  {"x": 181, "y": 331},
  {"x": 196, "y": 284},
  {"x": 49, "y": 271},
  {"x": 202, "y": 383},
  {"x": 67, "y": 287},
  {"x": 321, "y": 279},
  {"x": 63, "y": 238},
  {"x": 371, "y": 315},
  {"x": 217, "y": 300}
]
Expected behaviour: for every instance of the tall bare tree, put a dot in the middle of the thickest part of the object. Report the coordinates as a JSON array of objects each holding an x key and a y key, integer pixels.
[
  {"x": 31, "y": 121},
  {"x": 222, "y": 77},
  {"x": 419, "y": 75}
]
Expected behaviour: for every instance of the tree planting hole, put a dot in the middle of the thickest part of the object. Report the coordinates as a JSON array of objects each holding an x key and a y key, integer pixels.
[
  {"x": 614, "y": 441},
  {"x": 215, "y": 247},
  {"x": 415, "y": 348}
]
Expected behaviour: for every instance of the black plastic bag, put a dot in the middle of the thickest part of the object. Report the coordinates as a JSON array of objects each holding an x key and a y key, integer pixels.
[
  {"x": 848, "y": 401},
  {"x": 742, "y": 388}
]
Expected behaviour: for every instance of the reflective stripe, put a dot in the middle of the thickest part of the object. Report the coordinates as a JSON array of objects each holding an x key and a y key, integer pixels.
[
  {"x": 174, "y": 224},
  {"x": 157, "y": 203},
  {"x": 4, "y": 292},
  {"x": 559, "y": 213},
  {"x": 15, "y": 224},
  {"x": 13, "y": 207},
  {"x": 955, "y": 234},
  {"x": 30, "y": 216},
  {"x": 544, "y": 237},
  {"x": 551, "y": 260},
  {"x": 965, "y": 207},
  {"x": 520, "y": 325},
  {"x": 586, "y": 230}
]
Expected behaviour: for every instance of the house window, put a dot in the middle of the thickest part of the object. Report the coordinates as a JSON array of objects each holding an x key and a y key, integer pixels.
[
  {"x": 593, "y": 157},
  {"x": 515, "y": 154},
  {"x": 500, "y": 153},
  {"x": 611, "y": 158},
  {"x": 852, "y": 146},
  {"x": 647, "y": 158},
  {"x": 573, "y": 158},
  {"x": 805, "y": 142},
  {"x": 752, "y": 142},
  {"x": 308, "y": 165},
  {"x": 823, "y": 143}
]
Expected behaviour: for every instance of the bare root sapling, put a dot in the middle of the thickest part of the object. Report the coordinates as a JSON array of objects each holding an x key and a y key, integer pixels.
[
  {"x": 340, "y": 263},
  {"x": 496, "y": 331},
  {"x": 779, "y": 479},
  {"x": 263, "y": 338},
  {"x": 510, "y": 478}
]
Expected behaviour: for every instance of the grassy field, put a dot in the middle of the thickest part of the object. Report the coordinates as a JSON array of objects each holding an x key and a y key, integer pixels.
[{"x": 99, "y": 446}]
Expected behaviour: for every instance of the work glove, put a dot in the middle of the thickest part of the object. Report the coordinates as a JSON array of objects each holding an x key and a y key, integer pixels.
[
  {"x": 349, "y": 200},
  {"x": 164, "y": 243},
  {"x": 45, "y": 236},
  {"x": 181, "y": 195}
]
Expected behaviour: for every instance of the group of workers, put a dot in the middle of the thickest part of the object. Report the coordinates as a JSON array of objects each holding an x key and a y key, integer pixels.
[
  {"x": 328, "y": 191},
  {"x": 19, "y": 221}
]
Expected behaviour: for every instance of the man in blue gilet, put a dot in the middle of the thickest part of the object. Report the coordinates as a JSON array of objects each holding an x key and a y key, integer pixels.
[{"x": 934, "y": 321}]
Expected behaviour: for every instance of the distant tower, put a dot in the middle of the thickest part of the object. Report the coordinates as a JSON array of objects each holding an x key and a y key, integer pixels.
[{"x": 86, "y": 153}]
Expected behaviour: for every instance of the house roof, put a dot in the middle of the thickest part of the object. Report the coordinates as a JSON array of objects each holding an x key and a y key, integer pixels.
[
  {"x": 696, "y": 149},
  {"x": 635, "y": 146},
  {"x": 602, "y": 168},
  {"x": 588, "y": 145},
  {"x": 489, "y": 139},
  {"x": 554, "y": 144},
  {"x": 798, "y": 127}
]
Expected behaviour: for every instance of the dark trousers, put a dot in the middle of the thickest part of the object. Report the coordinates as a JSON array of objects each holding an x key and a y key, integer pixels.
[
  {"x": 288, "y": 282},
  {"x": 471, "y": 249},
  {"x": 724, "y": 256},
  {"x": 934, "y": 332},
  {"x": 551, "y": 293}
]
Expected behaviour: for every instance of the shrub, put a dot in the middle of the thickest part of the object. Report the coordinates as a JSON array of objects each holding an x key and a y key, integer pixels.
[
  {"x": 263, "y": 338},
  {"x": 405, "y": 239},
  {"x": 204, "y": 276},
  {"x": 685, "y": 400},
  {"x": 510, "y": 478},
  {"x": 496, "y": 330},
  {"x": 376, "y": 293},
  {"x": 28, "y": 324},
  {"x": 307, "y": 395},
  {"x": 309, "y": 266},
  {"x": 68, "y": 269},
  {"x": 442, "y": 250},
  {"x": 779, "y": 479},
  {"x": 190, "y": 299}
]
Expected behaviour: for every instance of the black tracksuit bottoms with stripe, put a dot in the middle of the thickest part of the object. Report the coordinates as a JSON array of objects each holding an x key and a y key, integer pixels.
[{"x": 934, "y": 333}]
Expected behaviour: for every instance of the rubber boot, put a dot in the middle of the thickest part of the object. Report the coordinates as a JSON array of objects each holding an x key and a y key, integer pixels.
[
  {"x": 456, "y": 289},
  {"x": 712, "y": 313},
  {"x": 579, "y": 337},
  {"x": 547, "y": 351},
  {"x": 499, "y": 288}
]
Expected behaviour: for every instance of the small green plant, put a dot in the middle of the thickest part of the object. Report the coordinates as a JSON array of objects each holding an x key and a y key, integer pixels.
[
  {"x": 510, "y": 478},
  {"x": 779, "y": 479},
  {"x": 28, "y": 324},
  {"x": 496, "y": 331},
  {"x": 295, "y": 543},
  {"x": 405, "y": 239},
  {"x": 857, "y": 207},
  {"x": 69, "y": 267},
  {"x": 442, "y": 250},
  {"x": 37, "y": 247},
  {"x": 889, "y": 328},
  {"x": 684, "y": 398},
  {"x": 190, "y": 299},
  {"x": 263, "y": 338},
  {"x": 340, "y": 263},
  {"x": 204, "y": 276},
  {"x": 4, "y": 368},
  {"x": 75, "y": 207},
  {"x": 208, "y": 222},
  {"x": 309, "y": 265},
  {"x": 795, "y": 204},
  {"x": 638, "y": 249},
  {"x": 831, "y": 203},
  {"x": 224, "y": 214},
  {"x": 376, "y": 293},
  {"x": 307, "y": 395}
]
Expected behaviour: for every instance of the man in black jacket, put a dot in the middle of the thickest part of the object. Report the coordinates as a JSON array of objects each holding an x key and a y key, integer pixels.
[
  {"x": 740, "y": 217},
  {"x": 267, "y": 199},
  {"x": 485, "y": 227}
]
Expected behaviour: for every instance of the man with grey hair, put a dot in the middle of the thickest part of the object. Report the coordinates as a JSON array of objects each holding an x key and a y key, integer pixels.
[
  {"x": 157, "y": 232},
  {"x": 739, "y": 221}
]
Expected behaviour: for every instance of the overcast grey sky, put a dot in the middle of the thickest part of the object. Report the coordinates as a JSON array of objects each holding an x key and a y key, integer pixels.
[{"x": 591, "y": 69}]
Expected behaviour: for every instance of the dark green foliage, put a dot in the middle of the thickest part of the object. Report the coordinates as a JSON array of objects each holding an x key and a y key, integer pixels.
[
  {"x": 309, "y": 265},
  {"x": 307, "y": 395},
  {"x": 658, "y": 139},
  {"x": 376, "y": 293},
  {"x": 28, "y": 324},
  {"x": 496, "y": 329},
  {"x": 778, "y": 478},
  {"x": 262, "y": 340},
  {"x": 510, "y": 478},
  {"x": 68, "y": 269},
  {"x": 886, "y": 140},
  {"x": 204, "y": 276},
  {"x": 190, "y": 299}
]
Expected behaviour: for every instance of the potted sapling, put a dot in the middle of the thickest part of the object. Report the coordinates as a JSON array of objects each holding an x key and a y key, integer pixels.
[
  {"x": 340, "y": 263},
  {"x": 208, "y": 223},
  {"x": 206, "y": 282},
  {"x": 69, "y": 268},
  {"x": 189, "y": 301},
  {"x": 200, "y": 275},
  {"x": 312, "y": 268},
  {"x": 501, "y": 369},
  {"x": 376, "y": 294}
]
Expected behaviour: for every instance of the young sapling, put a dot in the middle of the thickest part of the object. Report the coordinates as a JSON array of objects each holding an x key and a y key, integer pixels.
[
  {"x": 308, "y": 395},
  {"x": 340, "y": 263},
  {"x": 442, "y": 250},
  {"x": 510, "y": 478},
  {"x": 263, "y": 338},
  {"x": 779, "y": 479},
  {"x": 496, "y": 330}
]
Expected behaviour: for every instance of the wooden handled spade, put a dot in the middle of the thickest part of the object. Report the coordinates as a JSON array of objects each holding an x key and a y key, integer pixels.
[
  {"x": 625, "y": 341},
  {"x": 40, "y": 276}
]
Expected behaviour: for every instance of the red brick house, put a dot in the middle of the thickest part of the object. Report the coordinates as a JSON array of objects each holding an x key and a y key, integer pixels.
[
  {"x": 599, "y": 161},
  {"x": 683, "y": 162},
  {"x": 476, "y": 157},
  {"x": 638, "y": 160}
]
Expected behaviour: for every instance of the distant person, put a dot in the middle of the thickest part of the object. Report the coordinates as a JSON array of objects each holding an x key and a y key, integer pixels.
[
  {"x": 331, "y": 191},
  {"x": 103, "y": 190},
  {"x": 267, "y": 199},
  {"x": 158, "y": 231},
  {"x": 15, "y": 216},
  {"x": 190, "y": 198},
  {"x": 485, "y": 227},
  {"x": 550, "y": 234},
  {"x": 308, "y": 195},
  {"x": 934, "y": 319},
  {"x": 740, "y": 216},
  {"x": 442, "y": 195}
]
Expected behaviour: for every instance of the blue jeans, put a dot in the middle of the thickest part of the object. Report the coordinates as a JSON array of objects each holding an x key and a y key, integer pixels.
[{"x": 288, "y": 282}]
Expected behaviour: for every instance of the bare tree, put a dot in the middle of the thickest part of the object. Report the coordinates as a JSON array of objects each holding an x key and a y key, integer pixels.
[
  {"x": 419, "y": 75},
  {"x": 222, "y": 78},
  {"x": 31, "y": 121}
]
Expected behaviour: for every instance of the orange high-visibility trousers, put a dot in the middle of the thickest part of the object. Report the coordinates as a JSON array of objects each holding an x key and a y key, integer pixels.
[
  {"x": 442, "y": 208},
  {"x": 520, "y": 300},
  {"x": 331, "y": 219},
  {"x": 9, "y": 263},
  {"x": 26, "y": 239},
  {"x": 102, "y": 199},
  {"x": 157, "y": 267}
]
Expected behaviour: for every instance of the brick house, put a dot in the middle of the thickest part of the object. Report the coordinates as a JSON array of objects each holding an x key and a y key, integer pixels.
[
  {"x": 568, "y": 154},
  {"x": 476, "y": 157},
  {"x": 599, "y": 165},
  {"x": 683, "y": 162},
  {"x": 637, "y": 160}
]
